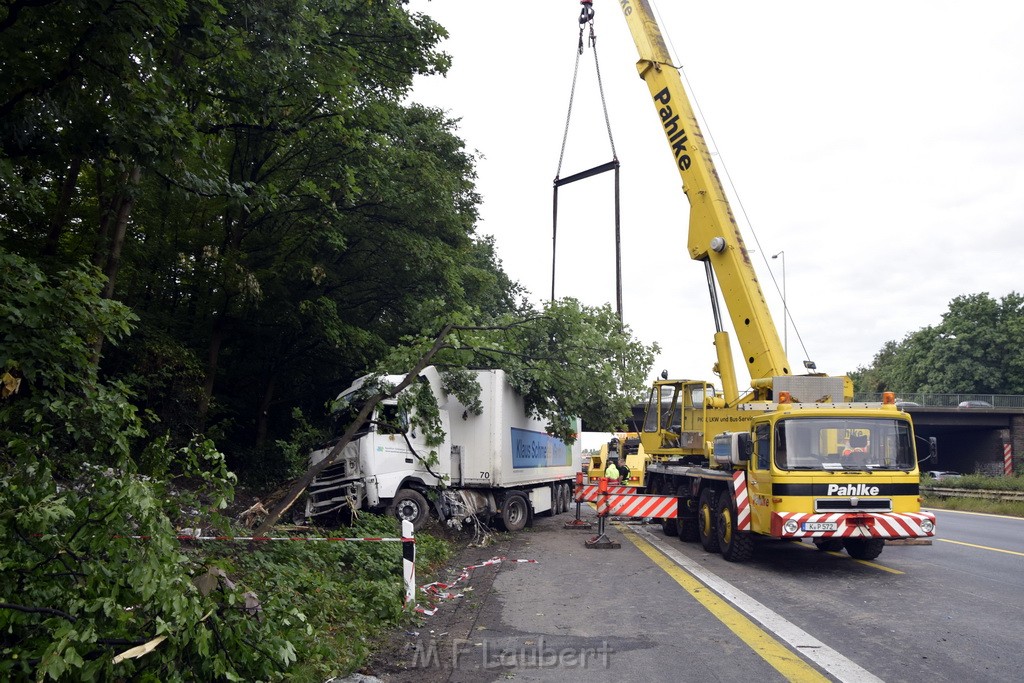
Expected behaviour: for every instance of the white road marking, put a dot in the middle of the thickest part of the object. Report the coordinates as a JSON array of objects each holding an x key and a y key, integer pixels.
[{"x": 838, "y": 666}]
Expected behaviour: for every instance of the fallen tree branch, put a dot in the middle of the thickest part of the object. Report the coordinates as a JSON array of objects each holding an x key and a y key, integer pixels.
[
  {"x": 303, "y": 482},
  {"x": 41, "y": 610}
]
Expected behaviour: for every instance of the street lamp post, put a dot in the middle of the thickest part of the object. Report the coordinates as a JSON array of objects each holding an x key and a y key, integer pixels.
[{"x": 785, "y": 305}]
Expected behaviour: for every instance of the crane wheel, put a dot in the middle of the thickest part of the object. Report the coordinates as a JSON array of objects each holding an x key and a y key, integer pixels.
[
  {"x": 670, "y": 527},
  {"x": 736, "y": 546},
  {"x": 689, "y": 532},
  {"x": 833, "y": 545},
  {"x": 864, "y": 548},
  {"x": 706, "y": 520}
]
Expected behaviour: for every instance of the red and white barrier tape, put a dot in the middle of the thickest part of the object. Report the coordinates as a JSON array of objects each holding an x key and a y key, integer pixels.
[
  {"x": 440, "y": 590},
  {"x": 332, "y": 539},
  {"x": 406, "y": 539}
]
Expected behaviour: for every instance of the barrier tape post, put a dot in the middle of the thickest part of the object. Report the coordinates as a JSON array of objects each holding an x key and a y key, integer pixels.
[
  {"x": 578, "y": 495},
  {"x": 601, "y": 541},
  {"x": 408, "y": 562},
  {"x": 1007, "y": 459}
]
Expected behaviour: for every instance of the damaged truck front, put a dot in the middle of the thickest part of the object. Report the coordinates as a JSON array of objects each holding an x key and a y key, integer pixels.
[{"x": 497, "y": 465}]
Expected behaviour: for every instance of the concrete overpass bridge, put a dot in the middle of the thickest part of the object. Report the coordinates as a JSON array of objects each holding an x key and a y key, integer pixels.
[{"x": 971, "y": 439}]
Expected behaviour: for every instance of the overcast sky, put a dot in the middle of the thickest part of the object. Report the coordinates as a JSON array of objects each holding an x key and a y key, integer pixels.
[{"x": 879, "y": 145}]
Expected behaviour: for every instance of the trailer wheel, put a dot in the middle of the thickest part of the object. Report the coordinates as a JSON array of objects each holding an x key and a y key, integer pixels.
[
  {"x": 410, "y": 505},
  {"x": 566, "y": 497},
  {"x": 556, "y": 499},
  {"x": 515, "y": 512},
  {"x": 736, "y": 546},
  {"x": 833, "y": 545},
  {"x": 706, "y": 520},
  {"x": 864, "y": 548}
]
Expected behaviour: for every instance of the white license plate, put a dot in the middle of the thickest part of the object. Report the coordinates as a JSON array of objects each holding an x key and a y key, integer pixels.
[{"x": 820, "y": 526}]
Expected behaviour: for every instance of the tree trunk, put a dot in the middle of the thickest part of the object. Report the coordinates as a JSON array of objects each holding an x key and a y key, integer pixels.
[
  {"x": 261, "y": 418},
  {"x": 113, "y": 255},
  {"x": 212, "y": 360},
  {"x": 59, "y": 219},
  {"x": 120, "y": 230}
]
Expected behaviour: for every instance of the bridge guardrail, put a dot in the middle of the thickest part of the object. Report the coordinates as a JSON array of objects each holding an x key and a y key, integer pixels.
[
  {"x": 947, "y": 400},
  {"x": 985, "y": 494}
]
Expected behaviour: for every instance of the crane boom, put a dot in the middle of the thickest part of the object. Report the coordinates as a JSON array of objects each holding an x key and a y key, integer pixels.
[{"x": 714, "y": 237}]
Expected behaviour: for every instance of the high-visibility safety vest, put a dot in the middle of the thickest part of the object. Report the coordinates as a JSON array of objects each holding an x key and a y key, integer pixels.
[{"x": 612, "y": 472}]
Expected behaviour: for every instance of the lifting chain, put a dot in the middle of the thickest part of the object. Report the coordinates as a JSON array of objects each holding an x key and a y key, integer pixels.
[{"x": 586, "y": 19}]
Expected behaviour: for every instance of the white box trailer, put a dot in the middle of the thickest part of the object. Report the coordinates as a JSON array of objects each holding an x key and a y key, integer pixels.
[{"x": 500, "y": 464}]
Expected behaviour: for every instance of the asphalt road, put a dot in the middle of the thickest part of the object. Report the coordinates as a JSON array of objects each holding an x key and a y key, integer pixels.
[{"x": 660, "y": 609}]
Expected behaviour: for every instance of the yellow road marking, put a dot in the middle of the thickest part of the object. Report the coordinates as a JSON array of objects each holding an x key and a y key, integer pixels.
[
  {"x": 869, "y": 563},
  {"x": 981, "y": 547},
  {"x": 790, "y": 665}
]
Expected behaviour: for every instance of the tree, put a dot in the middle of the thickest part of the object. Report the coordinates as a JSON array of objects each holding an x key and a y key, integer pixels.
[
  {"x": 975, "y": 349},
  {"x": 254, "y": 186}
]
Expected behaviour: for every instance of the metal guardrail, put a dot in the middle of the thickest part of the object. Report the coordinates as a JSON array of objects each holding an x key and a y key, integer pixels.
[
  {"x": 947, "y": 400},
  {"x": 984, "y": 494}
]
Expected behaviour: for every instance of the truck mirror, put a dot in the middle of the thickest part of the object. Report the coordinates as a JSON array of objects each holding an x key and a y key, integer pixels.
[
  {"x": 933, "y": 450},
  {"x": 746, "y": 447}
]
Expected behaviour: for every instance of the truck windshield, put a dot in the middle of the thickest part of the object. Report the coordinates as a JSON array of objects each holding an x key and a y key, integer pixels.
[{"x": 825, "y": 443}]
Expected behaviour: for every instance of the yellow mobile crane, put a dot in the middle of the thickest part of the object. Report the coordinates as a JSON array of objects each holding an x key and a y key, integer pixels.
[
  {"x": 792, "y": 457},
  {"x": 625, "y": 449}
]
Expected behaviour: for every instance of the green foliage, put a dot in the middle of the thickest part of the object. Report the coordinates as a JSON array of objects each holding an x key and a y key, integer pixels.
[
  {"x": 461, "y": 383},
  {"x": 349, "y": 592},
  {"x": 975, "y": 482},
  {"x": 567, "y": 361},
  {"x": 61, "y": 407},
  {"x": 93, "y": 568},
  {"x": 575, "y": 361},
  {"x": 975, "y": 349},
  {"x": 164, "y": 378},
  {"x": 294, "y": 453}
]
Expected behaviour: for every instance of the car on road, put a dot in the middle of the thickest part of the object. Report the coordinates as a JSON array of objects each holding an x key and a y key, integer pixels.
[
  {"x": 974, "y": 404},
  {"x": 905, "y": 404},
  {"x": 942, "y": 474}
]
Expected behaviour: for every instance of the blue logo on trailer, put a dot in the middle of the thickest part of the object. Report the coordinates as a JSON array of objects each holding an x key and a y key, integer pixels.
[{"x": 537, "y": 449}]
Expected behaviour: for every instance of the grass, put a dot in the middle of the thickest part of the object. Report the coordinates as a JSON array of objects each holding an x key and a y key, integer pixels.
[
  {"x": 1012, "y": 508},
  {"x": 975, "y": 482}
]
